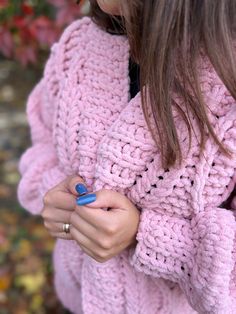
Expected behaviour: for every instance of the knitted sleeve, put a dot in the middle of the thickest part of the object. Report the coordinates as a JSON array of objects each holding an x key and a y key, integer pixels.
[
  {"x": 198, "y": 254},
  {"x": 196, "y": 251},
  {"x": 38, "y": 164}
]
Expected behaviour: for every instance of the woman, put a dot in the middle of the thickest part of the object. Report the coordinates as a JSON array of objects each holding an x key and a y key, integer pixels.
[{"x": 134, "y": 184}]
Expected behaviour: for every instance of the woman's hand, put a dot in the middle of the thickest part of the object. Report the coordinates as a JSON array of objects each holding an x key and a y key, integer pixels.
[
  {"x": 103, "y": 234},
  {"x": 59, "y": 204}
]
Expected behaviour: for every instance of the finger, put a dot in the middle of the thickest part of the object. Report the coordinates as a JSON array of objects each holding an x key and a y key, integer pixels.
[
  {"x": 108, "y": 198},
  {"x": 60, "y": 199},
  {"x": 53, "y": 226},
  {"x": 93, "y": 212},
  {"x": 61, "y": 235},
  {"x": 82, "y": 240},
  {"x": 68, "y": 185},
  {"x": 85, "y": 228},
  {"x": 56, "y": 215},
  {"x": 77, "y": 186},
  {"x": 96, "y": 217}
]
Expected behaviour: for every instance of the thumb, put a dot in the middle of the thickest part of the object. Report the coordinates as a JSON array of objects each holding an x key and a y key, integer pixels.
[
  {"x": 104, "y": 199},
  {"x": 76, "y": 185}
]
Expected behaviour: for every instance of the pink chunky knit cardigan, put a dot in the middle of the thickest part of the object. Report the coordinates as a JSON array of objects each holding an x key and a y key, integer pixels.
[{"x": 83, "y": 122}]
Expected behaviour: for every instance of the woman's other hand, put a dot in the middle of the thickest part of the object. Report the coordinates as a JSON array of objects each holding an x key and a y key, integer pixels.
[
  {"x": 59, "y": 204},
  {"x": 101, "y": 233}
]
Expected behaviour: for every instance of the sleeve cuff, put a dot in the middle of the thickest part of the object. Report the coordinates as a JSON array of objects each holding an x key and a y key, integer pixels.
[
  {"x": 165, "y": 246},
  {"x": 198, "y": 254}
]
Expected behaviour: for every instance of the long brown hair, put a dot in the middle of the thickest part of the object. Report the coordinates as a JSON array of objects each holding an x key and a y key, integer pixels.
[{"x": 166, "y": 38}]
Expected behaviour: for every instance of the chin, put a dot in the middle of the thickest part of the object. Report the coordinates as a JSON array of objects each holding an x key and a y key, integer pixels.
[{"x": 108, "y": 7}]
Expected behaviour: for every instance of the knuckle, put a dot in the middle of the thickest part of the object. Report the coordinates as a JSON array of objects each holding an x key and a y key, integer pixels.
[
  {"x": 50, "y": 197},
  {"x": 102, "y": 256},
  {"x": 105, "y": 244},
  {"x": 47, "y": 197},
  {"x": 45, "y": 213},
  {"x": 111, "y": 229},
  {"x": 46, "y": 224}
]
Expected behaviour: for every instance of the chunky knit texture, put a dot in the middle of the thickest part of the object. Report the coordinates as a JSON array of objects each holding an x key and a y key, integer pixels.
[{"x": 83, "y": 122}]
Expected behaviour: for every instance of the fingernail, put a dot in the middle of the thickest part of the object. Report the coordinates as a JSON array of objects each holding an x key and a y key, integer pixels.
[
  {"x": 81, "y": 188},
  {"x": 86, "y": 199}
]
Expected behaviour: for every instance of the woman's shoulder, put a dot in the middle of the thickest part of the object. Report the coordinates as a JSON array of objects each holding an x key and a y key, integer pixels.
[
  {"x": 61, "y": 52},
  {"x": 75, "y": 31},
  {"x": 77, "y": 28},
  {"x": 78, "y": 41}
]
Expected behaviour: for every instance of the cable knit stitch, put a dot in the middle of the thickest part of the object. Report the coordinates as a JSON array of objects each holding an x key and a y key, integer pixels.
[{"x": 83, "y": 122}]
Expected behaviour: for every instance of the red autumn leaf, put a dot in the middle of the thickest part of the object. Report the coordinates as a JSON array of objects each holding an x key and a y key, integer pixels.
[
  {"x": 44, "y": 31},
  {"x": 19, "y": 21},
  {"x": 25, "y": 35},
  {"x": 27, "y": 9}
]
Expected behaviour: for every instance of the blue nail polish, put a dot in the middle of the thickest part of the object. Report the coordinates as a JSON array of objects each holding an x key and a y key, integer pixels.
[
  {"x": 86, "y": 199},
  {"x": 81, "y": 189}
]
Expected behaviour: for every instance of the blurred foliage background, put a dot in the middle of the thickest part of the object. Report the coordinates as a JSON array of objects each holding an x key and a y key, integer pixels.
[{"x": 27, "y": 30}]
